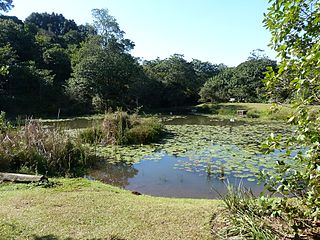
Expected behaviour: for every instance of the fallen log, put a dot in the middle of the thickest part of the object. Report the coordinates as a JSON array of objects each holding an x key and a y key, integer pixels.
[{"x": 21, "y": 178}]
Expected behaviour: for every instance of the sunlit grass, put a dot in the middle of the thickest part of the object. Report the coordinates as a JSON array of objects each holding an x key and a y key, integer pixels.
[
  {"x": 82, "y": 209},
  {"x": 254, "y": 110}
]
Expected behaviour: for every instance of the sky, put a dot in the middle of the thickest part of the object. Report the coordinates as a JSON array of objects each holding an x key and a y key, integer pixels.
[{"x": 218, "y": 31}]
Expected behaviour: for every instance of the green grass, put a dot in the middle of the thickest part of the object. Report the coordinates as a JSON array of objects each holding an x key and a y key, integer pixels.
[
  {"x": 83, "y": 209},
  {"x": 254, "y": 110}
]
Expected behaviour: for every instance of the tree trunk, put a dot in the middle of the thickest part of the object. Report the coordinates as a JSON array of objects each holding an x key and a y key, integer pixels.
[{"x": 21, "y": 178}]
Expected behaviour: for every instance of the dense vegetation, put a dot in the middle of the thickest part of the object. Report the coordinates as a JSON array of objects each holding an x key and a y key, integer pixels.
[
  {"x": 34, "y": 148},
  {"x": 294, "y": 26},
  {"x": 50, "y": 64}
]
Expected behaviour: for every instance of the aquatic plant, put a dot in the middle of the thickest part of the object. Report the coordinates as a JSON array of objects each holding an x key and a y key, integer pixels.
[{"x": 204, "y": 148}]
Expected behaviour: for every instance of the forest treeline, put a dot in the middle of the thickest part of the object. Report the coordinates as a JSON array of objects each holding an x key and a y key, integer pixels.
[{"x": 50, "y": 64}]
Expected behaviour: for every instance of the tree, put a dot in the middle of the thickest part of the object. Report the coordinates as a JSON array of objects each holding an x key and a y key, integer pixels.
[
  {"x": 6, "y": 5},
  {"x": 54, "y": 23},
  {"x": 107, "y": 27},
  {"x": 247, "y": 82},
  {"x": 205, "y": 70},
  {"x": 217, "y": 88},
  {"x": 103, "y": 69},
  {"x": 294, "y": 26},
  {"x": 58, "y": 60},
  {"x": 244, "y": 83},
  {"x": 102, "y": 76},
  {"x": 18, "y": 37},
  {"x": 177, "y": 77}
]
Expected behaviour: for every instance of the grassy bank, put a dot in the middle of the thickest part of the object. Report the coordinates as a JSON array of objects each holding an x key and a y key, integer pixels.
[
  {"x": 254, "y": 110},
  {"x": 82, "y": 209}
]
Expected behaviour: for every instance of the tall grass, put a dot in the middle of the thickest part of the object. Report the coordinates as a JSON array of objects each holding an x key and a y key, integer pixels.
[
  {"x": 120, "y": 128},
  {"x": 245, "y": 219},
  {"x": 36, "y": 149}
]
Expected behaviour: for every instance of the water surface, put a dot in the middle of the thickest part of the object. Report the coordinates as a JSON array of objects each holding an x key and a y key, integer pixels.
[{"x": 199, "y": 157}]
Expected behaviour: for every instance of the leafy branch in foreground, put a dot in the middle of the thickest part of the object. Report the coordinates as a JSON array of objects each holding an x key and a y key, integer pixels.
[{"x": 294, "y": 26}]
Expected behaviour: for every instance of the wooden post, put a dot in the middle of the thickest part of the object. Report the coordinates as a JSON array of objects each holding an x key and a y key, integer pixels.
[{"x": 242, "y": 112}]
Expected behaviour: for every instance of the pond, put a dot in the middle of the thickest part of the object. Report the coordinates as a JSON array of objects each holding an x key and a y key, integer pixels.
[{"x": 201, "y": 156}]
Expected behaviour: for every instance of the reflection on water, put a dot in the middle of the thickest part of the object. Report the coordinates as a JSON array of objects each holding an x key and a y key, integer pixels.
[
  {"x": 172, "y": 120},
  {"x": 161, "y": 178},
  {"x": 73, "y": 123},
  {"x": 115, "y": 174}
]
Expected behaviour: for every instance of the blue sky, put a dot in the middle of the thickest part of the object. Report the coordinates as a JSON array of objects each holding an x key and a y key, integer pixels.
[{"x": 219, "y": 31}]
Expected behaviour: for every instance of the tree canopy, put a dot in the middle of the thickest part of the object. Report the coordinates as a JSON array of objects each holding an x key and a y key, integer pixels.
[
  {"x": 244, "y": 82},
  {"x": 55, "y": 65}
]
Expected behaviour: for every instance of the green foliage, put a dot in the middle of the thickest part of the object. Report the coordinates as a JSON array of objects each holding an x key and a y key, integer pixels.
[
  {"x": 102, "y": 77},
  {"x": 247, "y": 219},
  {"x": 121, "y": 128},
  {"x": 147, "y": 131},
  {"x": 294, "y": 26},
  {"x": 247, "y": 82},
  {"x": 4, "y": 70},
  {"x": 5, "y": 125},
  {"x": 56, "y": 65},
  {"x": 217, "y": 88},
  {"x": 54, "y": 23},
  {"x": 243, "y": 83},
  {"x": 58, "y": 60},
  {"x": 91, "y": 135},
  {"x": 179, "y": 83},
  {"x": 43, "y": 151}
]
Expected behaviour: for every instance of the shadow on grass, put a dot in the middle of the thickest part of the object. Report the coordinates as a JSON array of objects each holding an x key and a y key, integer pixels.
[{"x": 53, "y": 237}]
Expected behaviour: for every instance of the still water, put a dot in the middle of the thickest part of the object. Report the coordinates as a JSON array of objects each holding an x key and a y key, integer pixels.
[
  {"x": 201, "y": 157},
  {"x": 203, "y": 173},
  {"x": 161, "y": 178}
]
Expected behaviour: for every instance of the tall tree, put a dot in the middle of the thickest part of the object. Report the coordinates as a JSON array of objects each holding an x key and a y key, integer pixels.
[
  {"x": 108, "y": 28},
  {"x": 103, "y": 69},
  {"x": 205, "y": 70}
]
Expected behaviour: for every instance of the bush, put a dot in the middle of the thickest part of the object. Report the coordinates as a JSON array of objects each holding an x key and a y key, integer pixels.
[
  {"x": 122, "y": 128},
  {"x": 149, "y": 130},
  {"x": 245, "y": 218}
]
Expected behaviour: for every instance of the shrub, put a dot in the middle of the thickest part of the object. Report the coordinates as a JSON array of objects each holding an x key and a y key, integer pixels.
[
  {"x": 122, "y": 128},
  {"x": 114, "y": 127},
  {"x": 149, "y": 130}
]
